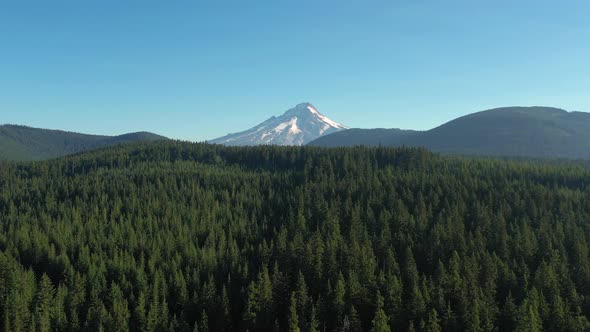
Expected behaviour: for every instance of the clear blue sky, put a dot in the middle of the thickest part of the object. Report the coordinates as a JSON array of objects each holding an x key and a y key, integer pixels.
[{"x": 196, "y": 70}]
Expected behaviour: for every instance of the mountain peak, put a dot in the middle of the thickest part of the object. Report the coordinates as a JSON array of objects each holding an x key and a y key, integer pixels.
[
  {"x": 302, "y": 109},
  {"x": 297, "y": 126},
  {"x": 303, "y": 105}
]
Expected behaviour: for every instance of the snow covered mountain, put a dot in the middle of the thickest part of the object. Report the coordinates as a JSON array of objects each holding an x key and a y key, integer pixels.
[{"x": 297, "y": 126}]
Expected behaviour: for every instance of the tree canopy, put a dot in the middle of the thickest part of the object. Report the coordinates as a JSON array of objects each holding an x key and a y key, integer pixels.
[{"x": 173, "y": 236}]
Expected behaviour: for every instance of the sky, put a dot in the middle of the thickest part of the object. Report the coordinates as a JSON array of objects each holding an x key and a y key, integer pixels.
[{"x": 197, "y": 70}]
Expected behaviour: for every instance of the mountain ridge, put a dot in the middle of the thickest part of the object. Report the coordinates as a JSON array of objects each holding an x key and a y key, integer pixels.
[
  {"x": 534, "y": 131},
  {"x": 24, "y": 143},
  {"x": 296, "y": 126}
]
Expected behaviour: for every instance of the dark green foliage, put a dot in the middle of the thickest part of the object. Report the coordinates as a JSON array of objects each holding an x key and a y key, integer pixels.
[
  {"x": 293, "y": 316},
  {"x": 540, "y": 132},
  {"x": 380, "y": 323},
  {"x": 20, "y": 143},
  {"x": 367, "y": 137},
  {"x": 172, "y": 236},
  {"x": 314, "y": 323}
]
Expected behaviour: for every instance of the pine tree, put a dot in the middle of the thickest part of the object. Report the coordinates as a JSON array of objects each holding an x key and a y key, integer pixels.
[
  {"x": 119, "y": 311},
  {"x": 529, "y": 319},
  {"x": 152, "y": 319},
  {"x": 302, "y": 298},
  {"x": 379, "y": 323},
  {"x": 293, "y": 318},
  {"x": 139, "y": 315},
  {"x": 44, "y": 301},
  {"x": 314, "y": 324},
  {"x": 59, "y": 319},
  {"x": 355, "y": 320},
  {"x": 433, "y": 323},
  {"x": 414, "y": 299},
  {"x": 204, "y": 322},
  {"x": 226, "y": 309},
  {"x": 338, "y": 298},
  {"x": 97, "y": 317},
  {"x": 509, "y": 314},
  {"x": 260, "y": 299}
]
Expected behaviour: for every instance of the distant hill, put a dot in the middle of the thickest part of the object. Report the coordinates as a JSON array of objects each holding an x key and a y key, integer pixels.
[
  {"x": 539, "y": 132},
  {"x": 368, "y": 137},
  {"x": 23, "y": 143}
]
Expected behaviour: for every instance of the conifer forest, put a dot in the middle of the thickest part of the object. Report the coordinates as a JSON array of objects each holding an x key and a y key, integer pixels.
[{"x": 175, "y": 236}]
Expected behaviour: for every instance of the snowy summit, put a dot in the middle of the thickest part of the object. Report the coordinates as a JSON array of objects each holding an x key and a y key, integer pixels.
[{"x": 297, "y": 126}]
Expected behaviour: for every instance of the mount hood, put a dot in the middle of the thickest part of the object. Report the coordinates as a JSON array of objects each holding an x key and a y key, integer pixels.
[{"x": 297, "y": 126}]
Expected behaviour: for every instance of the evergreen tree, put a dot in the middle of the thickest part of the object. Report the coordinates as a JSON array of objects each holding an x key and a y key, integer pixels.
[
  {"x": 293, "y": 317},
  {"x": 120, "y": 311},
  {"x": 433, "y": 323},
  {"x": 355, "y": 320},
  {"x": 380, "y": 321},
  {"x": 204, "y": 322},
  {"x": 314, "y": 324},
  {"x": 338, "y": 298},
  {"x": 44, "y": 301},
  {"x": 529, "y": 318}
]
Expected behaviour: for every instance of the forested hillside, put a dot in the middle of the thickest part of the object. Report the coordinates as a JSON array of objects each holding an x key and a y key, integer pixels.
[
  {"x": 24, "y": 143},
  {"x": 532, "y": 132},
  {"x": 171, "y": 236},
  {"x": 367, "y": 137}
]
